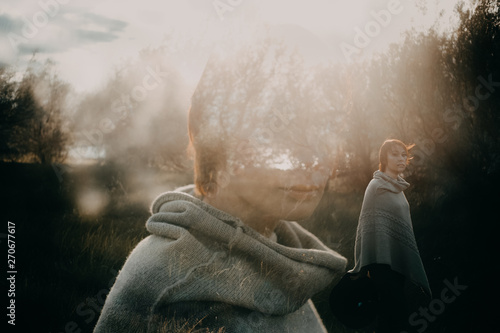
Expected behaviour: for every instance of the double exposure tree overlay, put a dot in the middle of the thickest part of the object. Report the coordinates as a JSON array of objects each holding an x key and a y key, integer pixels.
[{"x": 438, "y": 90}]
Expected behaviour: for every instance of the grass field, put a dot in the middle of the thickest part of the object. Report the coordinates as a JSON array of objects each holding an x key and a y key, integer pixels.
[
  {"x": 69, "y": 250},
  {"x": 67, "y": 255}
]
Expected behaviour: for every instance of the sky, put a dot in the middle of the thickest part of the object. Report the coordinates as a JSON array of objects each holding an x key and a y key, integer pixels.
[{"x": 86, "y": 39}]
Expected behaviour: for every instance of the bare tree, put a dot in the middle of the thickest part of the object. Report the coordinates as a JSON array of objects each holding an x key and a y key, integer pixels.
[{"x": 33, "y": 111}]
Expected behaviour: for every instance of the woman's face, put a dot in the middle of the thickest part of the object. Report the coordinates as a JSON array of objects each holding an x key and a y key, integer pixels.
[
  {"x": 284, "y": 191},
  {"x": 396, "y": 161},
  {"x": 269, "y": 112}
]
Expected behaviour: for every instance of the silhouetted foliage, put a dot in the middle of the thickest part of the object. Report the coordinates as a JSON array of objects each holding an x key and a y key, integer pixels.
[
  {"x": 8, "y": 115},
  {"x": 438, "y": 91},
  {"x": 442, "y": 92},
  {"x": 32, "y": 115}
]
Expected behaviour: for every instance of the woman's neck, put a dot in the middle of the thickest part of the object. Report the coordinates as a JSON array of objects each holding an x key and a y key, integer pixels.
[
  {"x": 391, "y": 174},
  {"x": 265, "y": 225}
]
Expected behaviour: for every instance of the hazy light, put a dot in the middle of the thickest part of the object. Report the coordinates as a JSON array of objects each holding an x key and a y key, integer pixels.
[
  {"x": 87, "y": 63},
  {"x": 282, "y": 162},
  {"x": 92, "y": 201}
]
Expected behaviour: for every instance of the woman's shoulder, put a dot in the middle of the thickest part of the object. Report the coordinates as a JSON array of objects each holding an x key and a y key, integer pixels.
[
  {"x": 149, "y": 252},
  {"x": 374, "y": 185},
  {"x": 376, "y": 193},
  {"x": 159, "y": 250},
  {"x": 165, "y": 247}
]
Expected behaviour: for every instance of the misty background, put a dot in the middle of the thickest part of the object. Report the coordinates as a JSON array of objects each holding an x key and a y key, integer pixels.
[{"x": 81, "y": 160}]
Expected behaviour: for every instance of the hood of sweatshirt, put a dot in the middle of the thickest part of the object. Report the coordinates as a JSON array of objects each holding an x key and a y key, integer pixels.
[
  {"x": 390, "y": 184},
  {"x": 216, "y": 257}
]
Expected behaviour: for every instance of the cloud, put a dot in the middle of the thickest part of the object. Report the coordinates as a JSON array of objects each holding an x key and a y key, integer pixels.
[
  {"x": 46, "y": 32},
  {"x": 111, "y": 24},
  {"x": 94, "y": 36},
  {"x": 7, "y": 23}
]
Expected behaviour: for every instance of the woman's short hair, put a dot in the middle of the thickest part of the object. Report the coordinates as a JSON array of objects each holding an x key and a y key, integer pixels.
[
  {"x": 209, "y": 157},
  {"x": 387, "y": 146}
]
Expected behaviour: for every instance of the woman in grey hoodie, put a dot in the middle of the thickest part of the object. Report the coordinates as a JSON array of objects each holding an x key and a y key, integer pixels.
[
  {"x": 386, "y": 249},
  {"x": 225, "y": 254}
]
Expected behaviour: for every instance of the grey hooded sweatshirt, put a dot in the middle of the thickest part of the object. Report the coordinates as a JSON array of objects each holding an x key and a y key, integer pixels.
[{"x": 203, "y": 270}]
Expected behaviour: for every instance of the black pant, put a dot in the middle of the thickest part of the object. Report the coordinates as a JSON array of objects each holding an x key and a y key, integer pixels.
[{"x": 392, "y": 307}]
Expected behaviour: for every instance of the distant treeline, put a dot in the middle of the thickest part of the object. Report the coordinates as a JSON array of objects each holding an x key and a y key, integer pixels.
[{"x": 438, "y": 90}]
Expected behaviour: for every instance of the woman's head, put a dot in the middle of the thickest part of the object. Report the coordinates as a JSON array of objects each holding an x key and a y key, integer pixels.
[
  {"x": 259, "y": 125},
  {"x": 257, "y": 105},
  {"x": 394, "y": 156}
]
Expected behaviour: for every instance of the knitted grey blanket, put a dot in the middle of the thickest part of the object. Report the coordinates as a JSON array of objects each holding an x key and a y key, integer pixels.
[
  {"x": 203, "y": 268},
  {"x": 385, "y": 232}
]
